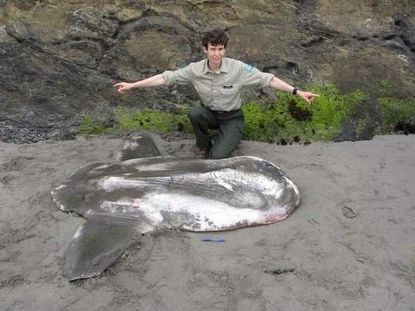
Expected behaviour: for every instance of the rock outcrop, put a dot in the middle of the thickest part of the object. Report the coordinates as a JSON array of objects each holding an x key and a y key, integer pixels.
[{"x": 59, "y": 59}]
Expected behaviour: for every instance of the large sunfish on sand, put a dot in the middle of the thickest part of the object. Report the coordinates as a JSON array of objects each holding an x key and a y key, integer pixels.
[{"x": 120, "y": 200}]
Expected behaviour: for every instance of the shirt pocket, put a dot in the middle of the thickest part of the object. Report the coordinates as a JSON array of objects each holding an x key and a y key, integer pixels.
[{"x": 229, "y": 90}]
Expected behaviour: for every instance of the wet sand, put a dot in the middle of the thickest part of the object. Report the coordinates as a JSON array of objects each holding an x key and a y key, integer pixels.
[{"x": 349, "y": 246}]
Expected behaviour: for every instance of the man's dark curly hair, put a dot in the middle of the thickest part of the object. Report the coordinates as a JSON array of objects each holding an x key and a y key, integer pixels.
[{"x": 215, "y": 37}]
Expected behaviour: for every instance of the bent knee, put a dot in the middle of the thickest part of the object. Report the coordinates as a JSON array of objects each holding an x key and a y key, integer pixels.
[
  {"x": 195, "y": 114},
  {"x": 219, "y": 154}
]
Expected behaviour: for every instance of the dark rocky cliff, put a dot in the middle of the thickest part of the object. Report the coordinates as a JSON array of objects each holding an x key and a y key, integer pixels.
[{"x": 59, "y": 59}]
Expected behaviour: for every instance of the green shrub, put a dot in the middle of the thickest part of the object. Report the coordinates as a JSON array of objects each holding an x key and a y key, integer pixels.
[
  {"x": 288, "y": 119},
  {"x": 394, "y": 109},
  {"x": 129, "y": 119},
  {"x": 89, "y": 127},
  {"x": 150, "y": 120},
  {"x": 291, "y": 118}
]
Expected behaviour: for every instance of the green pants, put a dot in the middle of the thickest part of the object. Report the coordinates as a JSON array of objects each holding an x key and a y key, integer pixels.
[{"x": 230, "y": 125}]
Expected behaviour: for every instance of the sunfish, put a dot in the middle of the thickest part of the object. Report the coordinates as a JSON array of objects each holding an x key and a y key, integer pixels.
[{"x": 121, "y": 200}]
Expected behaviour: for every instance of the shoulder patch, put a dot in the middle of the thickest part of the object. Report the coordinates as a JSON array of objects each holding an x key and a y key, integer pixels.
[{"x": 249, "y": 68}]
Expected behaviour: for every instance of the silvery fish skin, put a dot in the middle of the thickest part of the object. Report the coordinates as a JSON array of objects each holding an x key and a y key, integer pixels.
[
  {"x": 189, "y": 194},
  {"x": 143, "y": 194}
]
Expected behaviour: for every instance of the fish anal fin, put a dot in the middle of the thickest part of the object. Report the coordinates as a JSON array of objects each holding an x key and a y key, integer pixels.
[{"x": 95, "y": 247}]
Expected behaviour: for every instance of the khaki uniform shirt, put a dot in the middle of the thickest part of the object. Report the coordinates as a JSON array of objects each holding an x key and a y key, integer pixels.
[{"x": 219, "y": 91}]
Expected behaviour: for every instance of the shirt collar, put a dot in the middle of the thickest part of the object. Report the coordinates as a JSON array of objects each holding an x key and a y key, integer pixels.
[{"x": 223, "y": 68}]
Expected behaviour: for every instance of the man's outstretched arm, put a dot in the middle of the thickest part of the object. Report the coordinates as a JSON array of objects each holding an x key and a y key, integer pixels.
[
  {"x": 283, "y": 86},
  {"x": 156, "y": 80}
]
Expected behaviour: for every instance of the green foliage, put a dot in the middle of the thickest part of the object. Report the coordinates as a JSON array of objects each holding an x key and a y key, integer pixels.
[
  {"x": 386, "y": 89},
  {"x": 287, "y": 119},
  {"x": 89, "y": 127},
  {"x": 128, "y": 119},
  {"x": 394, "y": 111},
  {"x": 139, "y": 120},
  {"x": 183, "y": 123},
  {"x": 150, "y": 120},
  {"x": 291, "y": 118},
  {"x": 393, "y": 108}
]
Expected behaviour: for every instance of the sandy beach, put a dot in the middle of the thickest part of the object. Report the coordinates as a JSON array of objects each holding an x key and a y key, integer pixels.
[{"x": 350, "y": 245}]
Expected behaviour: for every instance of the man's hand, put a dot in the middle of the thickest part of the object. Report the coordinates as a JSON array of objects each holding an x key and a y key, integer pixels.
[
  {"x": 123, "y": 87},
  {"x": 156, "y": 80},
  {"x": 307, "y": 96}
]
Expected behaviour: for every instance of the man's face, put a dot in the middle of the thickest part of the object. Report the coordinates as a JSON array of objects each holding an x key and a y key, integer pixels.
[{"x": 215, "y": 53}]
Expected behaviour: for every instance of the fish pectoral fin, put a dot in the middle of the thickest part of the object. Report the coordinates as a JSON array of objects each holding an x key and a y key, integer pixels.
[{"x": 95, "y": 247}]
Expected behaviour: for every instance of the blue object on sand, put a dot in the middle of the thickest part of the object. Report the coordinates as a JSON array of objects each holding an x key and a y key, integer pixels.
[{"x": 219, "y": 239}]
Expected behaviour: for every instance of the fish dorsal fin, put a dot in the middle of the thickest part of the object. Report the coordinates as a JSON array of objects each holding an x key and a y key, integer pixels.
[
  {"x": 141, "y": 145},
  {"x": 95, "y": 246}
]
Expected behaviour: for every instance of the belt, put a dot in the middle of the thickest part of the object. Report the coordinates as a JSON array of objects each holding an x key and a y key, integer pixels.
[{"x": 220, "y": 111}]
